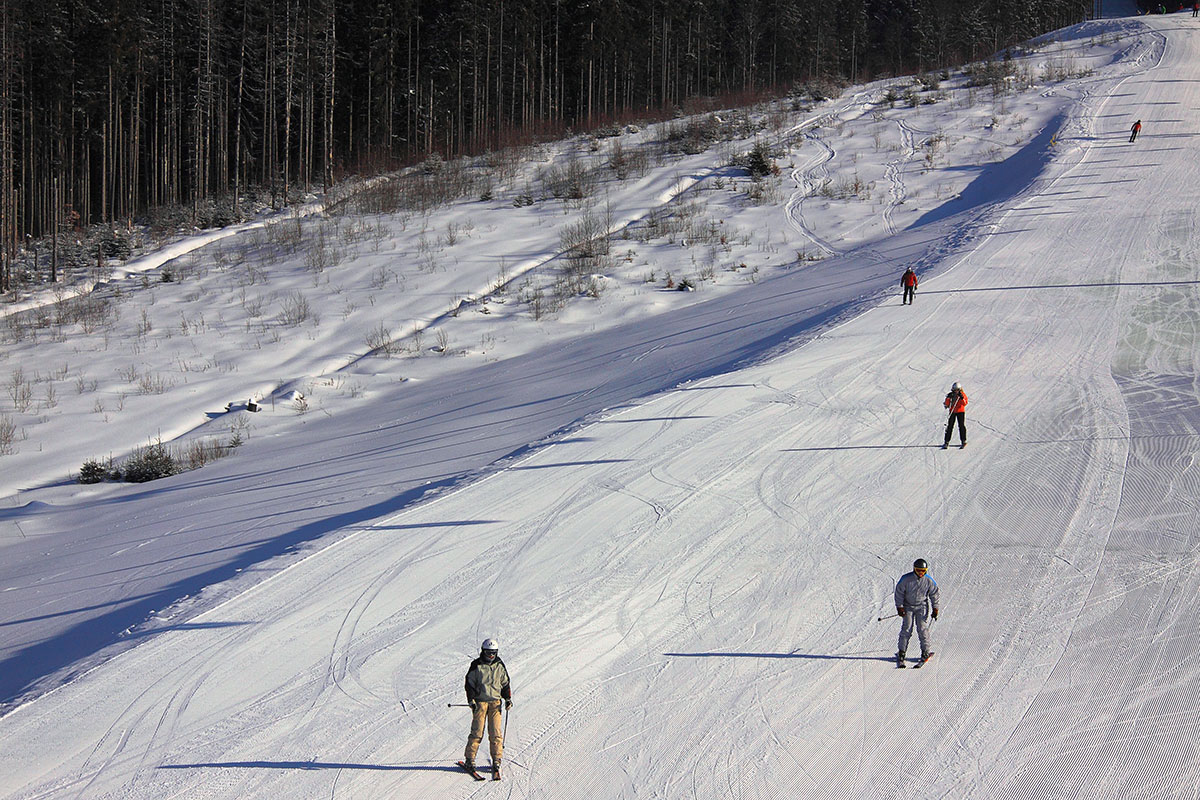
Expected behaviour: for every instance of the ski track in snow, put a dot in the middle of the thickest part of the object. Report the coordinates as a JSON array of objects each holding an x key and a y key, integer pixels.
[{"x": 809, "y": 176}]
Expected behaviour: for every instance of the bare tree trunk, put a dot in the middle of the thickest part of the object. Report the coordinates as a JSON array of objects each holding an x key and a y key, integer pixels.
[
  {"x": 330, "y": 57},
  {"x": 289, "y": 76},
  {"x": 239, "y": 111},
  {"x": 8, "y": 206}
]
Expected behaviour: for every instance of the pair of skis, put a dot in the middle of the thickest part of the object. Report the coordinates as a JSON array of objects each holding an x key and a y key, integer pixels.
[
  {"x": 920, "y": 662},
  {"x": 475, "y": 773}
]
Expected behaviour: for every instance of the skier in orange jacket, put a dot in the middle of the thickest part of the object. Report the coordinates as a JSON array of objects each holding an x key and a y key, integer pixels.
[
  {"x": 956, "y": 401},
  {"x": 1135, "y": 130}
]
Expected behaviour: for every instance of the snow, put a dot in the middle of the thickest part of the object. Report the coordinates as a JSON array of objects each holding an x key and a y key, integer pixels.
[{"x": 681, "y": 513}]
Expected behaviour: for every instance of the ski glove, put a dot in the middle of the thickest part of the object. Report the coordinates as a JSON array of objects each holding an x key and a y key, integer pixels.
[
  {"x": 935, "y": 613},
  {"x": 507, "y": 705},
  {"x": 899, "y": 611}
]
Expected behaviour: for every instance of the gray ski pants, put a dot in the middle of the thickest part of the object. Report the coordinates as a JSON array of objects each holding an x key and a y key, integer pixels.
[{"x": 919, "y": 618}]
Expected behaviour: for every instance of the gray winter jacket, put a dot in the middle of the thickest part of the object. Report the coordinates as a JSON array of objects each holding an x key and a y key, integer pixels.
[
  {"x": 912, "y": 591},
  {"x": 487, "y": 681}
]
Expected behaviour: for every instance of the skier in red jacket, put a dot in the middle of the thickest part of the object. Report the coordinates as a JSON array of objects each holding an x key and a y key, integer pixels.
[
  {"x": 956, "y": 401},
  {"x": 909, "y": 281},
  {"x": 1135, "y": 130}
]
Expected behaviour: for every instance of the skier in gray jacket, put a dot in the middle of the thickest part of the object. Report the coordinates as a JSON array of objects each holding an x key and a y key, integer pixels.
[{"x": 916, "y": 597}]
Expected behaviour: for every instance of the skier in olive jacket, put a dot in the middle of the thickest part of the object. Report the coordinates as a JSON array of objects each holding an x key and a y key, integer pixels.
[
  {"x": 916, "y": 599},
  {"x": 487, "y": 687}
]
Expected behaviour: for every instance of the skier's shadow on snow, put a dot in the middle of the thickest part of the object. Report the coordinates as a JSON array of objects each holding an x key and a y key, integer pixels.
[
  {"x": 819, "y": 656},
  {"x": 311, "y": 765},
  {"x": 862, "y": 447},
  {"x": 1098, "y": 285}
]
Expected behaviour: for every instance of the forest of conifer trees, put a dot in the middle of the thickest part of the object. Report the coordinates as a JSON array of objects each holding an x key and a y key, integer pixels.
[{"x": 110, "y": 109}]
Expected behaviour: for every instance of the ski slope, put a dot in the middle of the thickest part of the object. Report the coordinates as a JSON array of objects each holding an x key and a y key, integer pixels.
[{"x": 686, "y": 583}]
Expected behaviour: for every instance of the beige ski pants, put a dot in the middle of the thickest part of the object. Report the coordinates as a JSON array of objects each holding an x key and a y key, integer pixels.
[{"x": 486, "y": 713}]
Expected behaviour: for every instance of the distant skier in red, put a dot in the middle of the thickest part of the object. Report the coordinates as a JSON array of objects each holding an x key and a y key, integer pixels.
[
  {"x": 956, "y": 401},
  {"x": 1135, "y": 130},
  {"x": 909, "y": 281}
]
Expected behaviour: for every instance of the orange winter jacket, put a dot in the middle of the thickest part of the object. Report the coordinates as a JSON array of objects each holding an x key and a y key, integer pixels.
[
  {"x": 956, "y": 404},
  {"x": 909, "y": 278}
]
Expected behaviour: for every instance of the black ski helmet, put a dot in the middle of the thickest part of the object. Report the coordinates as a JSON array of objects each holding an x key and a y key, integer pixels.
[{"x": 920, "y": 564}]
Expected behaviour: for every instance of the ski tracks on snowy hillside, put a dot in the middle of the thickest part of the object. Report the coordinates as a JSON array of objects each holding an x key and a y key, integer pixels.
[{"x": 810, "y": 175}]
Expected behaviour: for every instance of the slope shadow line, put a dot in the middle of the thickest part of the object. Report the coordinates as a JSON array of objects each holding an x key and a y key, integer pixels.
[
  {"x": 651, "y": 419},
  {"x": 22, "y": 670},
  {"x": 412, "y": 526},
  {"x": 186, "y": 626},
  {"x": 573, "y": 464}
]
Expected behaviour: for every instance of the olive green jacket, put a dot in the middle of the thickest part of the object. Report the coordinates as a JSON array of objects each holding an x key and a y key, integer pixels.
[{"x": 487, "y": 681}]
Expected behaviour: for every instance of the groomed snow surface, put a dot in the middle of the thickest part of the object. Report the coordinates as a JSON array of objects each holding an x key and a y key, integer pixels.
[{"x": 680, "y": 513}]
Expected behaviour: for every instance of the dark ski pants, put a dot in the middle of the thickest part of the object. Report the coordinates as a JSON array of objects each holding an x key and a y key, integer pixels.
[
  {"x": 961, "y": 416},
  {"x": 486, "y": 713},
  {"x": 909, "y": 292},
  {"x": 919, "y": 619},
  {"x": 1133, "y": 136}
]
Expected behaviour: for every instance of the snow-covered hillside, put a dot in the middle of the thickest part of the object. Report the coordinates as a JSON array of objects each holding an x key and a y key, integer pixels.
[{"x": 681, "y": 513}]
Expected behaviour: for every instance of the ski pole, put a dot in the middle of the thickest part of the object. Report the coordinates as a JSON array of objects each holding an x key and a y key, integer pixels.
[
  {"x": 889, "y": 616},
  {"x": 458, "y": 705}
]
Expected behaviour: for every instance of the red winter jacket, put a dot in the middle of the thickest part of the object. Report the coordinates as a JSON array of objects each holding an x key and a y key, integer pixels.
[
  {"x": 909, "y": 278},
  {"x": 959, "y": 403}
]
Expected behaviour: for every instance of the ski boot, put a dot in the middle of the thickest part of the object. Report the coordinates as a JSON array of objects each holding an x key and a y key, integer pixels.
[
  {"x": 496, "y": 770},
  {"x": 945, "y": 445},
  {"x": 900, "y": 659}
]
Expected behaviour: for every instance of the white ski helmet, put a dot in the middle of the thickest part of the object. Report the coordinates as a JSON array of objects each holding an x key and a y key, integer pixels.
[
  {"x": 490, "y": 644},
  {"x": 956, "y": 387}
]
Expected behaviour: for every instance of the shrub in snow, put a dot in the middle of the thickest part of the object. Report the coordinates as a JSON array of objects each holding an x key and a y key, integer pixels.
[
  {"x": 8, "y": 435},
  {"x": 930, "y": 81},
  {"x": 819, "y": 89},
  {"x": 199, "y": 452},
  {"x": 150, "y": 463},
  {"x": 759, "y": 162},
  {"x": 433, "y": 164},
  {"x": 93, "y": 471},
  {"x": 570, "y": 181},
  {"x": 117, "y": 244}
]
